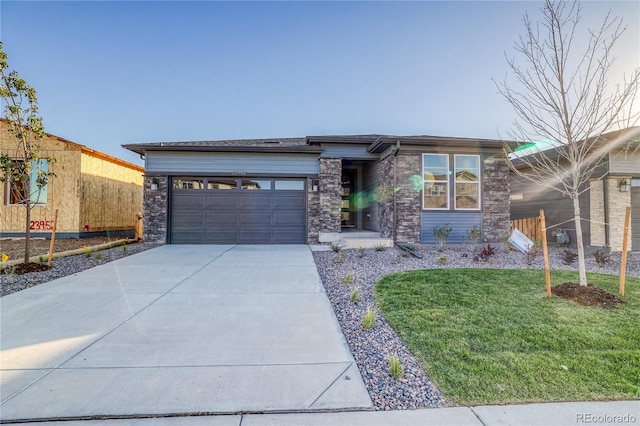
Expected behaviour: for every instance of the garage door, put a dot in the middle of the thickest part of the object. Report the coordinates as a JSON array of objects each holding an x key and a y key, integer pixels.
[
  {"x": 238, "y": 211},
  {"x": 635, "y": 214}
]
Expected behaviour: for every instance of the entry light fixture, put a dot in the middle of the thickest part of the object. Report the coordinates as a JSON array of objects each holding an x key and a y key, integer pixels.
[
  {"x": 315, "y": 185},
  {"x": 154, "y": 184},
  {"x": 625, "y": 185}
]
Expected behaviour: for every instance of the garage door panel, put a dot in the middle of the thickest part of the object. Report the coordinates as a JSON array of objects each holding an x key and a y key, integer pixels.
[
  {"x": 254, "y": 219},
  {"x": 220, "y": 201},
  {"x": 255, "y": 236},
  {"x": 214, "y": 219},
  {"x": 287, "y": 236},
  {"x": 189, "y": 237},
  {"x": 188, "y": 200},
  {"x": 288, "y": 201},
  {"x": 293, "y": 219},
  {"x": 258, "y": 201},
  {"x": 220, "y": 237},
  {"x": 189, "y": 219}
]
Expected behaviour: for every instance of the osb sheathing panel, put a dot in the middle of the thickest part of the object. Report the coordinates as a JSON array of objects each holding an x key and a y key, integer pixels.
[
  {"x": 111, "y": 195},
  {"x": 63, "y": 188}
]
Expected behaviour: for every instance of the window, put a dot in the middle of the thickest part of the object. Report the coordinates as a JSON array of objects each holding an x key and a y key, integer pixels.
[
  {"x": 188, "y": 183},
  {"x": 289, "y": 185},
  {"x": 17, "y": 193},
  {"x": 467, "y": 186},
  {"x": 221, "y": 183},
  {"x": 256, "y": 184},
  {"x": 435, "y": 170}
]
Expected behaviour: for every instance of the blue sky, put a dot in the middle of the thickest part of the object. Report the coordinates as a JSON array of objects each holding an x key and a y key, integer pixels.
[{"x": 110, "y": 73}]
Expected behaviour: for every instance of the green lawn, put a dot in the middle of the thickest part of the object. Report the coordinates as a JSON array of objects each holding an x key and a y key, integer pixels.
[{"x": 492, "y": 336}]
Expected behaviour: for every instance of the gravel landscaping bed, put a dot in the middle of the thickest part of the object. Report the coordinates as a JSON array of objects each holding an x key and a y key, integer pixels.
[
  {"x": 67, "y": 266},
  {"x": 372, "y": 348}
]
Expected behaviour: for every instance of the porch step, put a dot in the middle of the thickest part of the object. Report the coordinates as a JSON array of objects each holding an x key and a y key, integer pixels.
[{"x": 364, "y": 242}]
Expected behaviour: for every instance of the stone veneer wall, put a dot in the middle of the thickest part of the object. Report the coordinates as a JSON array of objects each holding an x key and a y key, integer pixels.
[
  {"x": 596, "y": 205},
  {"x": 384, "y": 195},
  {"x": 330, "y": 194},
  {"x": 617, "y": 203},
  {"x": 155, "y": 208},
  {"x": 408, "y": 203},
  {"x": 495, "y": 199},
  {"x": 313, "y": 213}
]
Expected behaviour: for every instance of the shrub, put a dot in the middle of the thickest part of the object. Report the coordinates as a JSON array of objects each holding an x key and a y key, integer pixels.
[
  {"x": 379, "y": 247},
  {"x": 354, "y": 297},
  {"x": 98, "y": 255},
  {"x": 369, "y": 319},
  {"x": 441, "y": 234},
  {"x": 569, "y": 257},
  {"x": 348, "y": 279},
  {"x": 485, "y": 253},
  {"x": 335, "y": 247},
  {"x": 124, "y": 249},
  {"x": 601, "y": 257},
  {"x": 41, "y": 259},
  {"x": 396, "y": 369},
  {"x": 442, "y": 260},
  {"x": 473, "y": 237},
  {"x": 339, "y": 258},
  {"x": 532, "y": 254},
  {"x": 361, "y": 252}
]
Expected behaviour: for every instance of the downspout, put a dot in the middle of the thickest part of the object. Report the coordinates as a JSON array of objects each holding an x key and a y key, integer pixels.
[
  {"x": 395, "y": 185},
  {"x": 605, "y": 196}
]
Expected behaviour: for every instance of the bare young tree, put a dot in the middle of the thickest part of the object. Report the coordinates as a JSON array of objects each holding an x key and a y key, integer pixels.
[
  {"x": 561, "y": 95},
  {"x": 21, "y": 167}
]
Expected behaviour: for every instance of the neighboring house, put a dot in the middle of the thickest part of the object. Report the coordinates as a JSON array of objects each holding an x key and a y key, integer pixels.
[
  {"x": 614, "y": 186},
  {"x": 322, "y": 188},
  {"x": 95, "y": 194}
]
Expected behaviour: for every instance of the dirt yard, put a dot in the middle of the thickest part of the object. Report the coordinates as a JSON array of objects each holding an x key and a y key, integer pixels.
[{"x": 14, "y": 248}]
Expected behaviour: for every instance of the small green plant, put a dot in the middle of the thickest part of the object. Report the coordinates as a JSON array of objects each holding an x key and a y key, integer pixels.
[
  {"x": 395, "y": 260},
  {"x": 379, "y": 247},
  {"x": 41, "y": 259},
  {"x": 369, "y": 319},
  {"x": 396, "y": 369},
  {"x": 442, "y": 234},
  {"x": 339, "y": 258},
  {"x": 442, "y": 260},
  {"x": 9, "y": 273},
  {"x": 601, "y": 257},
  {"x": 504, "y": 239},
  {"x": 569, "y": 257},
  {"x": 361, "y": 252},
  {"x": 124, "y": 249},
  {"x": 354, "y": 297},
  {"x": 98, "y": 255},
  {"x": 335, "y": 247},
  {"x": 473, "y": 238},
  {"x": 348, "y": 279}
]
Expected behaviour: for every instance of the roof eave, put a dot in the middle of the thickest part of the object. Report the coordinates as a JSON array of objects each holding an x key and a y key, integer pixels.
[{"x": 144, "y": 148}]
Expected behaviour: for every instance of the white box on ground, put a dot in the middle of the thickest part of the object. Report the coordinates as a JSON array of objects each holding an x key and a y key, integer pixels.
[{"x": 520, "y": 241}]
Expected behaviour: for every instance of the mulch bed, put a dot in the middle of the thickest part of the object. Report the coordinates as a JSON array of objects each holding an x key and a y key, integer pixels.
[
  {"x": 587, "y": 296},
  {"x": 25, "y": 268}
]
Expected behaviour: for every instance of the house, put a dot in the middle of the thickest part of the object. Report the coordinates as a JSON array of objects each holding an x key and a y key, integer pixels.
[
  {"x": 321, "y": 189},
  {"x": 614, "y": 185},
  {"x": 95, "y": 194}
]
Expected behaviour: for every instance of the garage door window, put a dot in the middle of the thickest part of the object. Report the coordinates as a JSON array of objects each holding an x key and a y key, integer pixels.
[
  {"x": 258, "y": 184},
  {"x": 182, "y": 183},
  {"x": 222, "y": 184},
  {"x": 289, "y": 185}
]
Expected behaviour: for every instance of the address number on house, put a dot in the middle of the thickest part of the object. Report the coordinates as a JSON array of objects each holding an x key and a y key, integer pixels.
[{"x": 41, "y": 225}]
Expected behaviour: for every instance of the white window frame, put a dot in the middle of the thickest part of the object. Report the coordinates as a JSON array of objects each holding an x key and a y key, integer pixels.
[
  {"x": 455, "y": 182},
  {"x": 435, "y": 182}
]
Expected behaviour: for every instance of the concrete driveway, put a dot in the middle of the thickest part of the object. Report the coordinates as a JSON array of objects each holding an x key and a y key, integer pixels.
[{"x": 178, "y": 329}]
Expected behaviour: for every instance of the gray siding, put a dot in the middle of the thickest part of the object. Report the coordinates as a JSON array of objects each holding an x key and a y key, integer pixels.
[
  {"x": 370, "y": 184},
  {"x": 625, "y": 164},
  {"x": 459, "y": 222},
  {"x": 354, "y": 151},
  {"x": 557, "y": 209},
  {"x": 635, "y": 215},
  {"x": 229, "y": 163}
]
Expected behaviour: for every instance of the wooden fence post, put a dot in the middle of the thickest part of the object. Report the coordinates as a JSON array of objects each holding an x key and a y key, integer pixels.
[
  {"x": 547, "y": 276},
  {"x": 138, "y": 226},
  {"x": 625, "y": 243},
  {"x": 53, "y": 236}
]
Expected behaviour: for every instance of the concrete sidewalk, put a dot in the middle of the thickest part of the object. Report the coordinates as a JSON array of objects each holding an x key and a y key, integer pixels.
[
  {"x": 178, "y": 329},
  {"x": 551, "y": 414}
]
